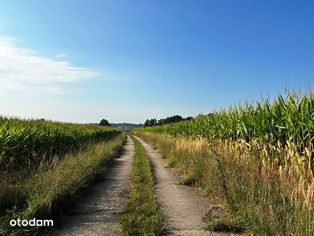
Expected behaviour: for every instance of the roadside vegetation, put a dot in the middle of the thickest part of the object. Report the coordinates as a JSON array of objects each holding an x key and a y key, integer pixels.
[
  {"x": 256, "y": 160},
  {"x": 43, "y": 165},
  {"x": 141, "y": 216},
  {"x": 33, "y": 143}
]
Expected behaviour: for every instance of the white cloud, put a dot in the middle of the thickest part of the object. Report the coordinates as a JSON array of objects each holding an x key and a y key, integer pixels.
[
  {"x": 25, "y": 70},
  {"x": 61, "y": 55}
]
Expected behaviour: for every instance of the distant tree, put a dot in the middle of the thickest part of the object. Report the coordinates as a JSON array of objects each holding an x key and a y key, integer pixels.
[
  {"x": 160, "y": 122},
  {"x": 168, "y": 120},
  {"x": 104, "y": 122},
  {"x": 151, "y": 122},
  {"x": 189, "y": 118},
  {"x": 172, "y": 119},
  {"x": 146, "y": 124}
]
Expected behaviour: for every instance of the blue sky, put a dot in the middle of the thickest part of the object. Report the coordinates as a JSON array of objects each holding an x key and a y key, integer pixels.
[{"x": 82, "y": 61}]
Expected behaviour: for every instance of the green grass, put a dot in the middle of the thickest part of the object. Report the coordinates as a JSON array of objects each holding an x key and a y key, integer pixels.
[
  {"x": 259, "y": 200},
  {"x": 141, "y": 216},
  {"x": 29, "y": 148},
  {"x": 50, "y": 193}
]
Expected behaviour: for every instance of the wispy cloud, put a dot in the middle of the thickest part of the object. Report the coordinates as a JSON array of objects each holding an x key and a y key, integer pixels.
[
  {"x": 61, "y": 55},
  {"x": 24, "y": 69}
]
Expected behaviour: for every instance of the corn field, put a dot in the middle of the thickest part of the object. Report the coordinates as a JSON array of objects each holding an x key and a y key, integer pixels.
[
  {"x": 31, "y": 142},
  {"x": 257, "y": 158},
  {"x": 287, "y": 123}
]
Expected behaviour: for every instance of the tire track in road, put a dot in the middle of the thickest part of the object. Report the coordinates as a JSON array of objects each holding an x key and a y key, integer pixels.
[
  {"x": 181, "y": 207},
  {"x": 101, "y": 205}
]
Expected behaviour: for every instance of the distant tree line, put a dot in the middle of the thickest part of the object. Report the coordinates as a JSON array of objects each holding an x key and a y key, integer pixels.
[
  {"x": 124, "y": 126},
  {"x": 168, "y": 120}
]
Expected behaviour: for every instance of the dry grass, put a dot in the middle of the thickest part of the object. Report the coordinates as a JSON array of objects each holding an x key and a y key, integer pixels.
[
  {"x": 265, "y": 198},
  {"x": 49, "y": 193},
  {"x": 279, "y": 131}
]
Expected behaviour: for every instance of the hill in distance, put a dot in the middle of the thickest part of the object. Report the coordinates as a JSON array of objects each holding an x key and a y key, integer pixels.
[{"x": 126, "y": 126}]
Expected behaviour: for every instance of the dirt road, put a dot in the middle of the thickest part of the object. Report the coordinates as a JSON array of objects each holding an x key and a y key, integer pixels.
[
  {"x": 99, "y": 208},
  {"x": 181, "y": 207}
]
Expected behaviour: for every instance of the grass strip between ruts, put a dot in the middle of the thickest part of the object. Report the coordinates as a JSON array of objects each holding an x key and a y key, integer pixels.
[{"x": 141, "y": 216}]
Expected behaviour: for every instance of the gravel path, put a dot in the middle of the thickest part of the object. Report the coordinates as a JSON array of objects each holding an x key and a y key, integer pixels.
[
  {"x": 100, "y": 206},
  {"x": 181, "y": 207}
]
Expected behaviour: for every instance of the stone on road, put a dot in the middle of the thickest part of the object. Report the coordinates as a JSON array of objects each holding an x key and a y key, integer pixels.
[
  {"x": 100, "y": 206},
  {"x": 181, "y": 207}
]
